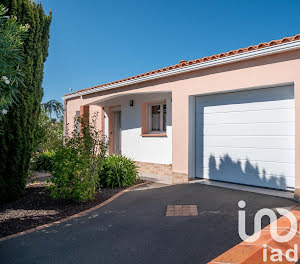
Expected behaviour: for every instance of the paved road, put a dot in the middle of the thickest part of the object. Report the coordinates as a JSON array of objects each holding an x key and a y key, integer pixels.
[{"x": 134, "y": 229}]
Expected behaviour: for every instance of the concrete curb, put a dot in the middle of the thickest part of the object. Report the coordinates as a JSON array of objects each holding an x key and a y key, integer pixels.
[
  {"x": 72, "y": 216},
  {"x": 248, "y": 253}
]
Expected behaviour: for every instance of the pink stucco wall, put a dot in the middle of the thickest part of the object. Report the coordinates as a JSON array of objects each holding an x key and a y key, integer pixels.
[{"x": 264, "y": 71}]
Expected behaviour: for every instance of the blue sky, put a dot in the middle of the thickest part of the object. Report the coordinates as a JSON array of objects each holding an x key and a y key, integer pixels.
[{"x": 95, "y": 41}]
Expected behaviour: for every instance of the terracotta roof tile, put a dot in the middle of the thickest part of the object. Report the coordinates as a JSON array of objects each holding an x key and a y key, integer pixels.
[{"x": 184, "y": 63}]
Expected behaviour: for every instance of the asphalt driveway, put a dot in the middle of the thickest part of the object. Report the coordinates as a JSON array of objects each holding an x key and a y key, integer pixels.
[{"x": 134, "y": 229}]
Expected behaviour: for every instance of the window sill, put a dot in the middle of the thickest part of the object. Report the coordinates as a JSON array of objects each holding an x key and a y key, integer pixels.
[{"x": 154, "y": 135}]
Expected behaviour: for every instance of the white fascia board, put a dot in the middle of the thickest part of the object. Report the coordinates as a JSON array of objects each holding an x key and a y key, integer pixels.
[{"x": 229, "y": 59}]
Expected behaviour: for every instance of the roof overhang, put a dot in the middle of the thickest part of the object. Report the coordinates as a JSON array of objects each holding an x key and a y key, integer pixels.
[
  {"x": 101, "y": 100},
  {"x": 229, "y": 59}
]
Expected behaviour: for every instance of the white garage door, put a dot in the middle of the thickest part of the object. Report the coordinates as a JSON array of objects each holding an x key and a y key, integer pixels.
[{"x": 247, "y": 137}]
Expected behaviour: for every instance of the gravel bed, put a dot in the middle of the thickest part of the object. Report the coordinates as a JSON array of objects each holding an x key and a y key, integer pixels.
[{"x": 37, "y": 207}]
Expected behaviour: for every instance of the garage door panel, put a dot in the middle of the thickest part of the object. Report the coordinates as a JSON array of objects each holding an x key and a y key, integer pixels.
[
  {"x": 258, "y": 106},
  {"x": 237, "y": 170},
  {"x": 249, "y": 96},
  {"x": 274, "y": 142},
  {"x": 251, "y": 129},
  {"x": 252, "y": 154},
  {"x": 259, "y": 179},
  {"x": 247, "y": 137},
  {"x": 264, "y": 167},
  {"x": 255, "y": 116}
]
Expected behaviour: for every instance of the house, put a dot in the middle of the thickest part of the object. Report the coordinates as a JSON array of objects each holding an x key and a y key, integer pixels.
[{"x": 228, "y": 117}]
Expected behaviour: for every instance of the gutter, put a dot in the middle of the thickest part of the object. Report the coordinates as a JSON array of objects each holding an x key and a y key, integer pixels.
[{"x": 189, "y": 68}]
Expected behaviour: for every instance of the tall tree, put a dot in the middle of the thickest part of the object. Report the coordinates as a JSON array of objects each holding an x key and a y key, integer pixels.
[{"x": 20, "y": 124}]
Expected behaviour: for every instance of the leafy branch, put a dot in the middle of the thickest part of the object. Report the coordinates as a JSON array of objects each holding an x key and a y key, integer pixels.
[{"x": 12, "y": 35}]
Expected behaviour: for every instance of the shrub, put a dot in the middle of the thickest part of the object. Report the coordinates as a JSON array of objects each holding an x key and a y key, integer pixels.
[
  {"x": 118, "y": 171},
  {"x": 43, "y": 161},
  {"x": 75, "y": 176},
  {"x": 49, "y": 132},
  {"x": 77, "y": 164},
  {"x": 12, "y": 35}
]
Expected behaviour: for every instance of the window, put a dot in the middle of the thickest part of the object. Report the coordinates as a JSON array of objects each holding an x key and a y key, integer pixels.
[
  {"x": 77, "y": 124},
  {"x": 154, "y": 119},
  {"x": 158, "y": 118}
]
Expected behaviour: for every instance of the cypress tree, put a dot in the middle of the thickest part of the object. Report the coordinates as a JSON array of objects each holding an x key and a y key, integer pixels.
[{"x": 19, "y": 125}]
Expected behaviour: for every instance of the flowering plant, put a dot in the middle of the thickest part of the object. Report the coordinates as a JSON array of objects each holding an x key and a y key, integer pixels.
[{"x": 11, "y": 40}]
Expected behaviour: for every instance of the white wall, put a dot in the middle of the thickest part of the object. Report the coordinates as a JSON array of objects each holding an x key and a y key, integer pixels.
[{"x": 145, "y": 149}]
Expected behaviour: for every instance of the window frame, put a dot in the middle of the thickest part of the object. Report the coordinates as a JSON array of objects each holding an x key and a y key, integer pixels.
[
  {"x": 149, "y": 115},
  {"x": 77, "y": 124}
]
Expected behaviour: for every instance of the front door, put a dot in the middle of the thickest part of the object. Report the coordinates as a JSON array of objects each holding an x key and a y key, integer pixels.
[{"x": 117, "y": 132}]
